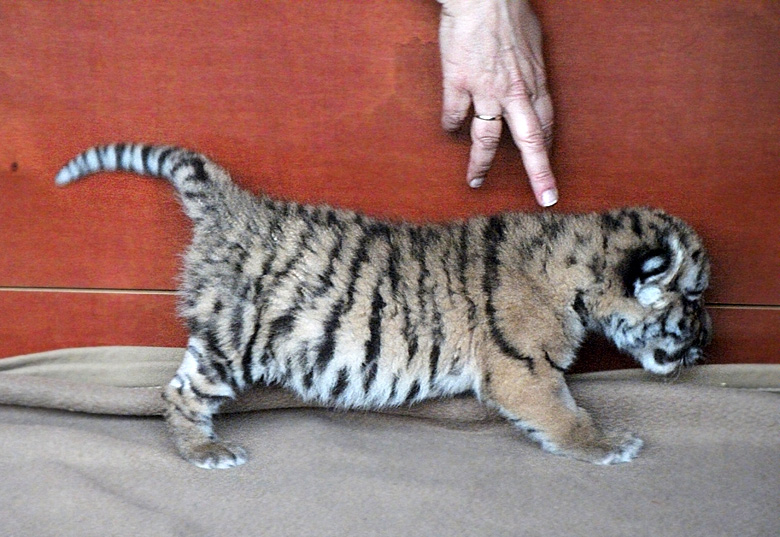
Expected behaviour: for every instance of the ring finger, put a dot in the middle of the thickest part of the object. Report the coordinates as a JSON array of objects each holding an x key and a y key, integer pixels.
[{"x": 485, "y": 136}]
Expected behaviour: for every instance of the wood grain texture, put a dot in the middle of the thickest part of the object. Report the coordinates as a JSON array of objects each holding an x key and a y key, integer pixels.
[
  {"x": 37, "y": 321},
  {"x": 44, "y": 320},
  {"x": 667, "y": 104}
]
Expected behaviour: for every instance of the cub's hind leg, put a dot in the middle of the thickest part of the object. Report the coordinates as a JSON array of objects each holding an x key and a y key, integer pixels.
[
  {"x": 538, "y": 401},
  {"x": 193, "y": 396}
]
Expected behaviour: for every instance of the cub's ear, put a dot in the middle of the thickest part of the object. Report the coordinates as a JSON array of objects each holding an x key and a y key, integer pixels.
[{"x": 644, "y": 272}]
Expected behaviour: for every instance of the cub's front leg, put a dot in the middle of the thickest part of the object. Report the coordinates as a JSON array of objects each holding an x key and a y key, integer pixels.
[{"x": 534, "y": 396}]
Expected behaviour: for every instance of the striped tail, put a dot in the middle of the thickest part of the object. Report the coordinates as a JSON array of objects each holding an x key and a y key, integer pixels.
[{"x": 195, "y": 177}]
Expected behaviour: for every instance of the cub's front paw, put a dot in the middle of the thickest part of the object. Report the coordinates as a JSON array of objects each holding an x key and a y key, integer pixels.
[
  {"x": 600, "y": 448},
  {"x": 623, "y": 447},
  {"x": 214, "y": 455}
]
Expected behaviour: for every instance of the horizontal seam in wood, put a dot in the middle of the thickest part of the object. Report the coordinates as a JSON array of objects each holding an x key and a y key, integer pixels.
[
  {"x": 727, "y": 306},
  {"x": 98, "y": 290}
]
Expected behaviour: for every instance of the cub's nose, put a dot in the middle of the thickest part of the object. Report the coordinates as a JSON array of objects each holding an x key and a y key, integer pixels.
[{"x": 662, "y": 357}]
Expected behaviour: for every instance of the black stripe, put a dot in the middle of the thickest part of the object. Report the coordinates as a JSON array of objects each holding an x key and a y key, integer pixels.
[
  {"x": 316, "y": 215},
  {"x": 145, "y": 150},
  {"x": 332, "y": 219},
  {"x": 280, "y": 327},
  {"x": 494, "y": 235},
  {"x": 434, "y": 359},
  {"x": 266, "y": 358},
  {"x": 195, "y": 353},
  {"x": 413, "y": 392},
  {"x": 451, "y": 251},
  {"x": 222, "y": 362},
  {"x": 412, "y": 344},
  {"x": 81, "y": 164},
  {"x": 246, "y": 360},
  {"x": 418, "y": 248},
  {"x": 162, "y": 159},
  {"x": 185, "y": 159},
  {"x": 296, "y": 257},
  {"x": 199, "y": 171},
  {"x": 107, "y": 150},
  {"x": 207, "y": 396},
  {"x": 119, "y": 149},
  {"x": 308, "y": 379},
  {"x": 180, "y": 387},
  {"x": 393, "y": 389},
  {"x": 222, "y": 372},
  {"x": 462, "y": 272},
  {"x": 325, "y": 278},
  {"x": 394, "y": 261},
  {"x": 237, "y": 329},
  {"x": 374, "y": 343},
  {"x": 189, "y": 415},
  {"x": 552, "y": 227},
  {"x": 437, "y": 338},
  {"x": 610, "y": 223},
  {"x": 341, "y": 384},
  {"x": 238, "y": 266},
  {"x": 579, "y": 307},
  {"x": 437, "y": 328},
  {"x": 259, "y": 285},
  {"x": 597, "y": 265},
  {"x": 343, "y": 305},
  {"x": 100, "y": 152},
  {"x": 635, "y": 222},
  {"x": 392, "y": 268},
  {"x": 370, "y": 376},
  {"x": 328, "y": 344},
  {"x": 553, "y": 364},
  {"x": 189, "y": 196}
]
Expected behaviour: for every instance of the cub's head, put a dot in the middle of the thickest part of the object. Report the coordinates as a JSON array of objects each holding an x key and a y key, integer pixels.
[{"x": 660, "y": 272}]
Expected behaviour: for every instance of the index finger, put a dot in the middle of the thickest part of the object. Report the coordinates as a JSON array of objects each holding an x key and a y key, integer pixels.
[{"x": 529, "y": 138}]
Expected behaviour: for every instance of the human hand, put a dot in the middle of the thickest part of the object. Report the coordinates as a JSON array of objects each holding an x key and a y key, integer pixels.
[{"x": 491, "y": 52}]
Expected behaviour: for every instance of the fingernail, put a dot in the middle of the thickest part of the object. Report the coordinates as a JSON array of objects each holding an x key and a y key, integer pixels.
[
  {"x": 549, "y": 197},
  {"x": 476, "y": 182}
]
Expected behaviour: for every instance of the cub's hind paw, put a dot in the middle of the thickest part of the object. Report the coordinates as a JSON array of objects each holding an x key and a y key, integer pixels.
[
  {"x": 624, "y": 448},
  {"x": 215, "y": 455}
]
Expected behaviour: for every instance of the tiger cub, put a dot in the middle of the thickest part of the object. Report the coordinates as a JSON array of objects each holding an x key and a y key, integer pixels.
[{"x": 355, "y": 312}]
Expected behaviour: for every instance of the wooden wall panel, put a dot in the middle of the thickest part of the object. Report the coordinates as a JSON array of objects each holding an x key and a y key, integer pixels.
[
  {"x": 38, "y": 321},
  {"x": 667, "y": 104}
]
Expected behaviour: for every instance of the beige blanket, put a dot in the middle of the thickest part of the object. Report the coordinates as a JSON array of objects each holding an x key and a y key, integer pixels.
[{"x": 711, "y": 465}]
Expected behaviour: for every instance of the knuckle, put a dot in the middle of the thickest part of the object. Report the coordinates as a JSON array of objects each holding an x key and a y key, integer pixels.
[
  {"x": 540, "y": 90},
  {"x": 534, "y": 140},
  {"x": 519, "y": 90},
  {"x": 451, "y": 120},
  {"x": 487, "y": 140}
]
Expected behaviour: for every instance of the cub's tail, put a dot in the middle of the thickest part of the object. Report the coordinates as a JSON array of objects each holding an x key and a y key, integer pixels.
[{"x": 197, "y": 179}]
